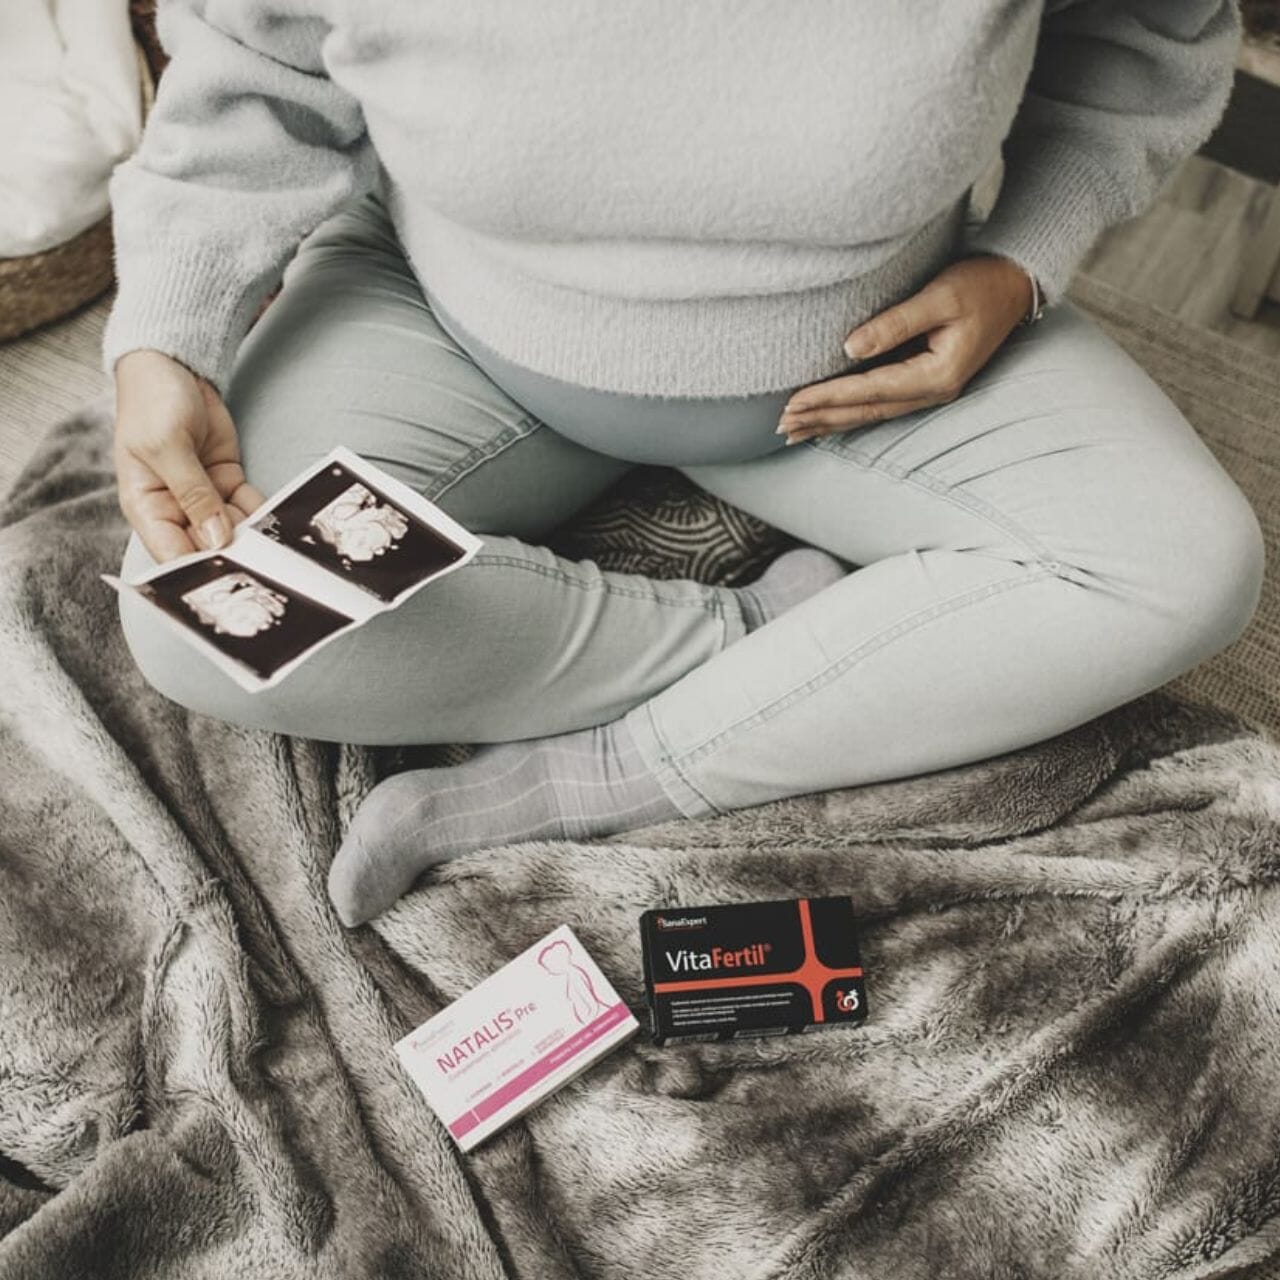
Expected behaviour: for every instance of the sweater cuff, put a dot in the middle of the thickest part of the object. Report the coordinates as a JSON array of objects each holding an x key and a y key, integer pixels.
[
  {"x": 184, "y": 302},
  {"x": 1053, "y": 203}
]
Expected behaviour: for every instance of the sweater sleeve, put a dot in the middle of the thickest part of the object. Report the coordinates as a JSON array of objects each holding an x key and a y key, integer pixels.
[
  {"x": 1120, "y": 92},
  {"x": 248, "y": 147}
]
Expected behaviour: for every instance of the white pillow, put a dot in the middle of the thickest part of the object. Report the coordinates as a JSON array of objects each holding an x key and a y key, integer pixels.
[{"x": 70, "y": 110}]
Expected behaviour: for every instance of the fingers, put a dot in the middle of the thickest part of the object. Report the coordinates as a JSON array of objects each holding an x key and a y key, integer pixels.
[
  {"x": 152, "y": 510},
  {"x": 860, "y": 416},
  {"x": 244, "y": 498},
  {"x": 225, "y": 469},
  {"x": 169, "y": 498},
  {"x": 165, "y": 539},
  {"x": 167, "y": 526},
  {"x": 934, "y": 305},
  {"x": 962, "y": 315},
  {"x": 925, "y": 375},
  {"x": 177, "y": 465},
  {"x": 177, "y": 457},
  {"x": 936, "y": 376},
  {"x": 162, "y": 523},
  {"x": 242, "y": 503}
]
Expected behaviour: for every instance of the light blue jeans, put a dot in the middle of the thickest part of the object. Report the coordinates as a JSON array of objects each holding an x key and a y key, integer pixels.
[{"x": 1052, "y": 543}]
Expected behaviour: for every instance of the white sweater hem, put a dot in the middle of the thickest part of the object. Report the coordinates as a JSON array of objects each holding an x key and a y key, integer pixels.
[{"x": 706, "y": 346}]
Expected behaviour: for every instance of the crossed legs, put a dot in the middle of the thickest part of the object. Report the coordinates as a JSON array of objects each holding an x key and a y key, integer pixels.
[{"x": 1054, "y": 542}]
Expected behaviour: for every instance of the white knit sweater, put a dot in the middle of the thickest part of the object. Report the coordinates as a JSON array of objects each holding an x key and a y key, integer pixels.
[{"x": 667, "y": 197}]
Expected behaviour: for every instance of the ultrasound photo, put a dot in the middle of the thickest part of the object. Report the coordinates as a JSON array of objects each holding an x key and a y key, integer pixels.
[
  {"x": 252, "y": 619},
  {"x": 345, "y": 524}
]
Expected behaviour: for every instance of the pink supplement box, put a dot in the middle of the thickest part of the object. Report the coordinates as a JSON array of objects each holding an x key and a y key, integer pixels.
[{"x": 516, "y": 1037}]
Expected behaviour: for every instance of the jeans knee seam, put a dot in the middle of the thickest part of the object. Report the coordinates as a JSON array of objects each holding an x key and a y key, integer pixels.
[
  {"x": 966, "y": 502},
  {"x": 852, "y": 657},
  {"x": 463, "y": 466},
  {"x": 712, "y": 606}
]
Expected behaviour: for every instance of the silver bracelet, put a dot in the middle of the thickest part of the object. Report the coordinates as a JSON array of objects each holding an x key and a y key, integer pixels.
[{"x": 1036, "y": 310}]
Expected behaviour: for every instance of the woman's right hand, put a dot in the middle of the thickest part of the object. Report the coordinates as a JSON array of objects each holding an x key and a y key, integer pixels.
[{"x": 177, "y": 458}]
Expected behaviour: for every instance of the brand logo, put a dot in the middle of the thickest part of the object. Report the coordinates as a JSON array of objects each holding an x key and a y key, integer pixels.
[
  {"x": 846, "y": 1001},
  {"x": 756, "y": 953},
  {"x": 681, "y": 922}
]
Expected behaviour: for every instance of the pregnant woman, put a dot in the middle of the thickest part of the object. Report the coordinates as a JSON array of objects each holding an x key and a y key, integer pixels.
[{"x": 542, "y": 243}]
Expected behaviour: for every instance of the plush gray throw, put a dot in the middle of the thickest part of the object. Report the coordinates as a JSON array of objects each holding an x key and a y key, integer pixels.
[{"x": 1071, "y": 1067}]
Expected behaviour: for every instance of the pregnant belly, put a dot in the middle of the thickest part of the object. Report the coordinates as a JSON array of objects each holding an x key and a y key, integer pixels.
[{"x": 658, "y": 430}]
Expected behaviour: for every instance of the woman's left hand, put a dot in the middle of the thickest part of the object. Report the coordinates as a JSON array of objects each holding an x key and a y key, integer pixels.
[{"x": 964, "y": 313}]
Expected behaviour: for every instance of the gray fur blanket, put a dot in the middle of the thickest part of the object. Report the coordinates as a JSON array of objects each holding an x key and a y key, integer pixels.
[{"x": 1071, "y": 1068}]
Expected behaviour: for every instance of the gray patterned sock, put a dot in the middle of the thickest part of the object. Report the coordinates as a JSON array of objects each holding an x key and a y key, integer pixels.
[
  {"x": 792, "y": 577},
  {"x": 571, "y": 786}
]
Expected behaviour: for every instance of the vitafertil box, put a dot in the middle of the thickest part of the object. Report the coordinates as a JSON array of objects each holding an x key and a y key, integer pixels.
[
  {"x": 752, "y": 968},
  {"x": 516, "y": 1037}
]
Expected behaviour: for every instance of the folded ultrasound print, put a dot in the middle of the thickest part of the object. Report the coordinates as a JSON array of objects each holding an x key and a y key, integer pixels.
[{"x": 335, "y": 547}]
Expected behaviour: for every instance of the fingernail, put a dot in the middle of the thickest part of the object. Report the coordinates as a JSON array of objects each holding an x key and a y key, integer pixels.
[
  {"x": 794, "y": 439},
  {"x": 214, "y": 531},
  {"x": 856, "y": 348},
  {"x": 780, "y": 428}
]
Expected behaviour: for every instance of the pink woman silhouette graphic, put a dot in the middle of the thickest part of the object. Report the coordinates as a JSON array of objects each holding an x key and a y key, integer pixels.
[{"x": 557, "y": 959}]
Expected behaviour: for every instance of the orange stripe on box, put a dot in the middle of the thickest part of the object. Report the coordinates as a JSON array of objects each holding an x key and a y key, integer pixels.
[{"x": 753, "y": 980}]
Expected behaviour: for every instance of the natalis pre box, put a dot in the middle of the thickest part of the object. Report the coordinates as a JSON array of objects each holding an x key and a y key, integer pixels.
[{"x": 516, "y": 1037}]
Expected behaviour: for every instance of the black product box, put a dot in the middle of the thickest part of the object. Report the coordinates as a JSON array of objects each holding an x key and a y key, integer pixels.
[{"x": 752, "y": 969}]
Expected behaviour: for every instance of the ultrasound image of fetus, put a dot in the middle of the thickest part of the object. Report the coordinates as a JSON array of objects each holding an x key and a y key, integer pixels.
[
  {"x": 251, "y": 618},
  {"x": 345, "y": 524},
  {"x": 358, "y": 527},
  {"x": 236, "y": 605}
]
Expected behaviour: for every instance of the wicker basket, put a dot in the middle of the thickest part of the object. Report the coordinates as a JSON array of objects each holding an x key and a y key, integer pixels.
[{"x": 43, "y": 287}]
